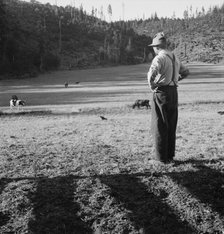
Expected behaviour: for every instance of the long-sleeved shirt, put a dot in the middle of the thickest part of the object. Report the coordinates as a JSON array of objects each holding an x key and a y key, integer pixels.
[{"x": 161, "y": 70}]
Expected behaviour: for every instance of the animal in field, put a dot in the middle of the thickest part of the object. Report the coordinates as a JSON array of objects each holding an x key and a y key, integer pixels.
[
  {"x": 66, "y": 84},
  {"x": 221, "y": 112},
  {"x": 141, "y": 103},
  {"x": 16, "y": 103},
  {"x": 103, "y": 118},
  {"x": 12, "y": 102}
]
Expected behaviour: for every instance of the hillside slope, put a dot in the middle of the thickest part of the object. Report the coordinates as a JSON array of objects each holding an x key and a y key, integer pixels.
[
  {"x": 44, "y": 37},
  {"x": 197, "y": 37},
  {"x": 38, "y": 37}
]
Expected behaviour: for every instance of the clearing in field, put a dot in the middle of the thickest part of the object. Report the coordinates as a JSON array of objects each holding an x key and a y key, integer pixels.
[{"x": 64, "y": 169}]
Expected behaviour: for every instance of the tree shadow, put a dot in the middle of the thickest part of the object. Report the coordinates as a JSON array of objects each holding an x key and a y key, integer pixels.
[
  {"x": 3, "y": 184},
  {"x": 54, "y": 208},
  {"x": 147, "y": 209},
  {"x": 206, "y": 183},
  {"x": 4, "y": 218},
  {"x": 55, "y": 211}
]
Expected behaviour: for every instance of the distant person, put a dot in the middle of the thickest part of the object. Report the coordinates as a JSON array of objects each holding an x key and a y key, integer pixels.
[{"x": 163, "y": 76}]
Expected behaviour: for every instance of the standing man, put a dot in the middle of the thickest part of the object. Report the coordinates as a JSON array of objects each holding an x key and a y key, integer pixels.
[{"x": 163, "y": 76}]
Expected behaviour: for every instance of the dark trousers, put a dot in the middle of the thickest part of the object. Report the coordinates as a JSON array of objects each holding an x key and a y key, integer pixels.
[{"x": 164, "y": 122}]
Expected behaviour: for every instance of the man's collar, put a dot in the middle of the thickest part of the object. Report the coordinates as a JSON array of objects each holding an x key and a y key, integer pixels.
[{"x": 163, "y": 51}]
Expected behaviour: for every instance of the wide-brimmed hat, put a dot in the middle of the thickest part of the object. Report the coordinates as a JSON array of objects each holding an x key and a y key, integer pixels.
[{"x": 158, "y": 40}]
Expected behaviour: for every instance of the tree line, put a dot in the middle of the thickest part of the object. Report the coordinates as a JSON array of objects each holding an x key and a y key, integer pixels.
[
  {"x": 37, "y": 37},
  {"x": 198, "y": 36}
]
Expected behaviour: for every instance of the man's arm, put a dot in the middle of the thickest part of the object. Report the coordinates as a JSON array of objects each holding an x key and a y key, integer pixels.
[
  {"x": 153, "y": 72},
  {"x": 151, "y": 78}
]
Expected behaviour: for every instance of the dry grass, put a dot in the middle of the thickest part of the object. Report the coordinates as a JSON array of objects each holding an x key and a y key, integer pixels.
[
  {"x": 67, "y": 173},
  {"x": 64, "y": 170}
]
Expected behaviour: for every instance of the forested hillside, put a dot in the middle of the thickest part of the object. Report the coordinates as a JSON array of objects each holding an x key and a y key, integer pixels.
[
  {"x": 35, "y": 37},
  {"x": 199, "y": 36}
]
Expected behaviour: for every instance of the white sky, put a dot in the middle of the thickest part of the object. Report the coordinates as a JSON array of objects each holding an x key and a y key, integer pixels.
[{"x": 136, "y": 9}]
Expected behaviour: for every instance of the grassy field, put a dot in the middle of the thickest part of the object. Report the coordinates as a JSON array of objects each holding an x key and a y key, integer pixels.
[{"x": 64, "y": 170}]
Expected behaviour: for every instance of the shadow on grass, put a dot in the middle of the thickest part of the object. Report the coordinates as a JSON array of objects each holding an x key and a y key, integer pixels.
[
  {"x": 4, "y": 217},
  {"x": 54, "y": 208},
  {"x": 55, "y": 211},
  {"x": 206, "y": 184},
  {"x": 22, "y": 113},
  {"x": 147, "y": 209},
  {"x": 35, "y": 113}
]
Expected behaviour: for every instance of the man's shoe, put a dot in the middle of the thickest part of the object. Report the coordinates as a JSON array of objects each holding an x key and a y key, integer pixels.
[{"x": 169, "y": 161}]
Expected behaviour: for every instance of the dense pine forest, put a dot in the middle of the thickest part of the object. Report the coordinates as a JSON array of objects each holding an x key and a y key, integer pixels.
[{"x": 37, "y": 37}]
